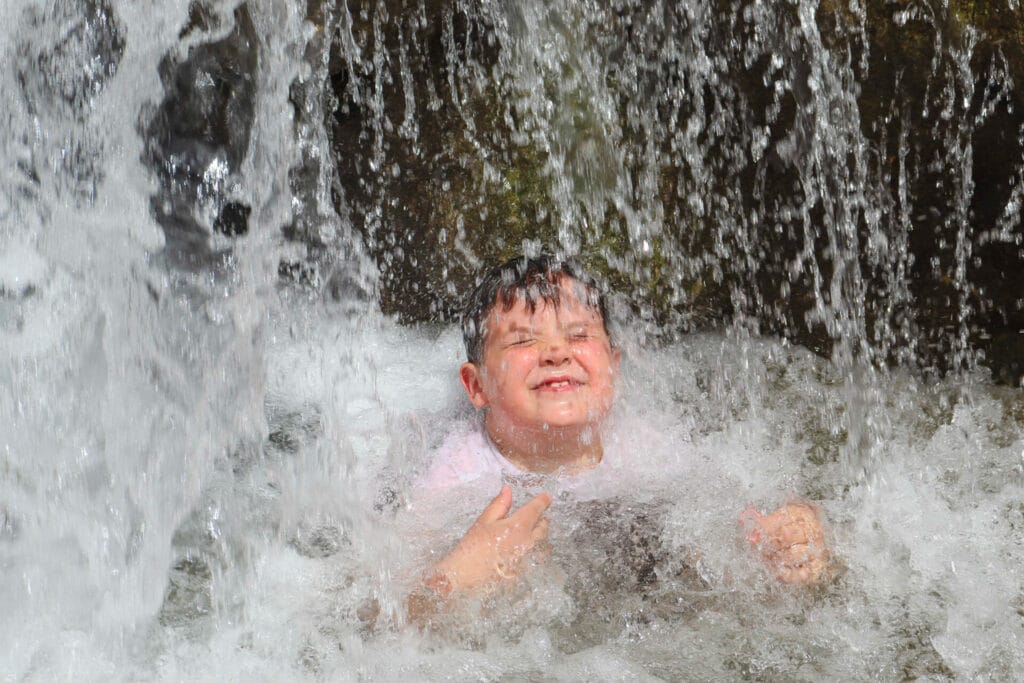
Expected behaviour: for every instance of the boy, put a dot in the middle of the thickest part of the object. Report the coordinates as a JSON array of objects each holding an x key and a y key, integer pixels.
[{"x": 542, "y": 366}]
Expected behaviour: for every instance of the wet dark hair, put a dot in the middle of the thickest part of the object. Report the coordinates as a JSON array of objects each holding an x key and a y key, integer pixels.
[{"x": 532, "y": 279}]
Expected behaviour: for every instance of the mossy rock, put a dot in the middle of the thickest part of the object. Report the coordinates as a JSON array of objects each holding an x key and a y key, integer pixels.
[
  {"x": 439, "y": 183},
  {"x": 463, "y": 189}
]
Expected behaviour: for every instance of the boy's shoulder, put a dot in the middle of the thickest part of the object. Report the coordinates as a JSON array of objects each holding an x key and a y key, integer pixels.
[{"x": 466, "y": 455}]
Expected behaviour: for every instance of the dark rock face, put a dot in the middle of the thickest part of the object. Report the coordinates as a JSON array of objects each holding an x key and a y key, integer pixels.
[
  {"x": 851, "y": 181},
  {"x": 199, "y": 135},
  {"x": 946, "y": 82},
  {"x": 416, "y": 131}
]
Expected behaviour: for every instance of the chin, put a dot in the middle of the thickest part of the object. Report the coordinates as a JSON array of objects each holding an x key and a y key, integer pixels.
[{"x": 564, "y": 422}]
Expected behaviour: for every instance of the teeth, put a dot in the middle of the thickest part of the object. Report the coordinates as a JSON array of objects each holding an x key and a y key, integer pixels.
[{"x": 563, "y": 383}]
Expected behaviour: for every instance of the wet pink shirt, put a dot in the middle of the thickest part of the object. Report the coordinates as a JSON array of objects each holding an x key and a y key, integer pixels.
[{"x": 466, "y": 457}]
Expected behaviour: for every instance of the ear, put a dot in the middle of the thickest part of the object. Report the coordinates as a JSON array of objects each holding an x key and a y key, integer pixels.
[
  {"x": 470, "y": 374},
  {"x": 616, "y": 359}
]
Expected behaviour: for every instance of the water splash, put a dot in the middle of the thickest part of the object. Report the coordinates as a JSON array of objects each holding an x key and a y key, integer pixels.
[{"x": 211, "y": 429}]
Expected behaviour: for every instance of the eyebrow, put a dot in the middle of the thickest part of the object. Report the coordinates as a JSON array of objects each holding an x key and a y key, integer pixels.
[
  {"x": 570, "y": 324},
  {"x": 519, "y": 328}
]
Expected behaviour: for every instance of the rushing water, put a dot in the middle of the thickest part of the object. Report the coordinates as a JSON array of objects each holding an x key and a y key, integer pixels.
[{"x": 204, "y": 470}]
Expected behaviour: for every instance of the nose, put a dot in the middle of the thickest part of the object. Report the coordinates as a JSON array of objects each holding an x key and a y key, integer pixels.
[{"x": 555, "y": 351}]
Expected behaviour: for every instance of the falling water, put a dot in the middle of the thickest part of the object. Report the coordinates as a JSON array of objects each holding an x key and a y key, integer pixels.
[{"x": 233, "y": 236}]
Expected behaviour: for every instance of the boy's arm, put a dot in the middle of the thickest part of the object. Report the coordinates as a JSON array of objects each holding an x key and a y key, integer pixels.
[{"x": 490, "y": 552}]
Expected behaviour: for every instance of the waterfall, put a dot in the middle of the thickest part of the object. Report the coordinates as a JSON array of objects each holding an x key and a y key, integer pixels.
[{"x": 234, "y": 237}]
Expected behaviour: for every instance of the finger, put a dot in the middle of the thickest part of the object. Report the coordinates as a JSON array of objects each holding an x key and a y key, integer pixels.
[
  {"x": 798, "y": 525},
  {"x": 528, "y": 515},
  {"x": 780, "y": 530},
  {"x": 771, "y": 523},
  {"x": 787, "y": 547},
  {"x": 793, "y": 575},
  {"x": 800, "y": 512},
  {"x": 803, "y": 574},
  {"x": 541, "y": 551},
  {"x": 497, "y": 508},
  {"x": 789, "y": 556},
  {"x": 750, "y": 520},
  {"x": 800, "y": 505},
  {"x": 540, "y": 531},
  {"x": 790, "y": 536},
  {"x": 749, "y": 516}
]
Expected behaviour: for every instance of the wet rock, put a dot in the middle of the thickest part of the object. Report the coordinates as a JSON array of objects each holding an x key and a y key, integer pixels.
[
  {"x": 332, "y": 255},
  {"x": 939, "y": 102},
  {"x": 85, "y": 47},
  {"x": 189, "y": 594},
  {"x": 291, "y": 430},
  {"x": 74, "y": 50},
  {"x": 620, "y": 572},
  {"x": 901, "y": 235},
  {"x": 437, "y": 175},
  {"x": 425, "y": 164},
  {"x": 199, "y": 134},
  {"x": 233, "y": 219},
  {"x": 318, "y": 540},
  {"x": 1005, "y": 358},
  {"x": 617, "y": 548}
]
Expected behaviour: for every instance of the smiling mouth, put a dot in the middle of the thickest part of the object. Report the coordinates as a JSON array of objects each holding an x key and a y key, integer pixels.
[{"x": 558, "y": 384}]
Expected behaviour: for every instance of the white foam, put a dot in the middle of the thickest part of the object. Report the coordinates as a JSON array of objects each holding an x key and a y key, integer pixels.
[
  {"x": 149, "y": 425},
  {"x": 21, "y": 269}
]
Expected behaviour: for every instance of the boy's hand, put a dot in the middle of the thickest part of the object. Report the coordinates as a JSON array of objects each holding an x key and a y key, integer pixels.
[
  {"x": 791, "y": 540},
  {"x": 493, "y": 548}
]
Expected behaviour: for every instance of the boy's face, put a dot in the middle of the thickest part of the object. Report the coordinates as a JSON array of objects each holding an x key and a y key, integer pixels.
[{"x": 550, "y": 369}]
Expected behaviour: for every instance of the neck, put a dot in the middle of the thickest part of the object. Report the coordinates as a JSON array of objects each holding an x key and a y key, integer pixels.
[{"x": 568, "y": 451}]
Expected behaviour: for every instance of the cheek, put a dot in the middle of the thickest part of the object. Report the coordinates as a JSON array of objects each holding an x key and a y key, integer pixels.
[
  {"x": 512, "y": 369},
  {"x": 596, "y": 360},
  {"x": 520, "y": 361}
]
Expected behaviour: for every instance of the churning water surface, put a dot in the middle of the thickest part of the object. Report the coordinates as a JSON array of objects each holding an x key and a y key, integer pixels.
[{"x": 206, "y": 476}]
